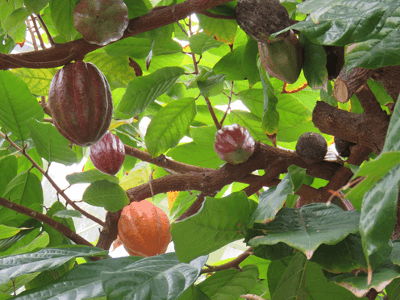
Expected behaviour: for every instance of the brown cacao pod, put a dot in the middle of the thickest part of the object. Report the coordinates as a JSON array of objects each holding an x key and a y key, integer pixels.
[
  {"x": 144, "y": 229},
  {"x": 108, "y": 154},
  {"x": 311, "y": 147},
  {"x": 282, "y": 57},
  {"x": 80, "y": 102},
  {"x": 234, "y": 144}
]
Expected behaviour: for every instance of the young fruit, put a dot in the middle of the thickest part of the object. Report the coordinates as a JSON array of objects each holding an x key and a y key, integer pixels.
[
  {"x": 311, "y": 147},
  {"x": 261, "y": 18},
  {"x": 101, "y": 21},
  {"x": 144, "y": 229},
  {"x": 108, "y": 154},
  {"x": 282, "y": 57},
  {"x": 234, "y": 144},
  {"x": 80, "y": 103}
]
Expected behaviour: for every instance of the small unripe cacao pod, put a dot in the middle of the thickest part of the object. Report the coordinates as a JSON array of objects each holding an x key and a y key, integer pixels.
[
  {"x": 234, "y": 144},
  {"x": 144, "y": 229},
  {"x": 108, "y": 154},
  {"x": 80, "y": 102},
  {"x": 282, "y": 57},
  {"x": 311, "y": 147}
]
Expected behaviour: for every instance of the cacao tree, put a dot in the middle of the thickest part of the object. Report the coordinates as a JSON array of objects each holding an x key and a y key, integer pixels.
[{"x": 308, "y": 226}]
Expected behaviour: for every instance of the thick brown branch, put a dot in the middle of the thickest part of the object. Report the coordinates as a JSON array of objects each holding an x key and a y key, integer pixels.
[
  {"x": 109, "y": 232},
  {"x": 390, "y": 79},
  {"x": 60, "y": 54},
  {"x": 73, "y": 236}
]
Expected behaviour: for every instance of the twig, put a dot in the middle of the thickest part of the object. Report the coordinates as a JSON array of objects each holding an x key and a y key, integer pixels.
[
  {"x": 37, "y": 32},
  {"x": 231, "y": 264},
  {"x": 61, "y": 192},
  {"x": 214, "y": 117},
  {"x": 35, "y": 47},
  {"x": 51, "y": 41},
  {"x": 229, "y": 104}
]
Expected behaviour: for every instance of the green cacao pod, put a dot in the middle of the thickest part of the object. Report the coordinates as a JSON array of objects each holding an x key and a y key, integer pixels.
[
  {"x": 283, "y": 57},
  {"x": 81, "y": 104}
]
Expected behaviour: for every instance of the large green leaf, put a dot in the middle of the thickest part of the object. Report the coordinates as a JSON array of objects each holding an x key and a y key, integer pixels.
[
  {"x": 14, "y": 266},
  {"x": 201, "y": 42},
  {"x": 82, "y": 282},
  {"x": 271, "y": 201},
  {"x": 35, "y": 5},
  {"x": 158, "y": 277},
  {"x": 307, "y": 228},
  {"x": 232, "y": 65},
  {"x": 314, "y": 64},
  {"x": 304, "y": 280},
  {"x": 106, "y": 194},
  {"x": 38, "y": 80},
  {"x": 8, "y": 167},
  {"x": 215, "y": 225},
  {"x": 15, "y": 25},
  {"x": 90, "y": 176},
  {"x": 7, "y": 231},
  {"x": 61, "y": 14},
  {"x": 224, "y": 30},
  {"x": 17, "y": 105},
  {"x": 169, "y": 125},
  {"x": 230, "y": 284},
  {"x": 50, "y": 144},
  {"x": 370, "y": 23},
  {"x": 143, "y": 90}
]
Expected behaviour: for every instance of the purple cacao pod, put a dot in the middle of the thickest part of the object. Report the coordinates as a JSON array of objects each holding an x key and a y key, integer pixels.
[
  {"x": 108, "y": 154},
  {"x": 234, "y": 144},
  {"x": 80, "y": 102},
  {"x": 283, "y": 57}
]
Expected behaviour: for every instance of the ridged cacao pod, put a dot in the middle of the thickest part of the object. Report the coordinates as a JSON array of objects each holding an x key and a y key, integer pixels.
[
  {"x": 234, "y": 144},
  {"x": 108, "y": 154},
  {"x": 261, "y": 18},
  {"x": 283, "y": 57},
  {"x": 80, "y": 102},
  {"x": 101, "y": 21},
  {"x": 311, "y": 147},
  {"x": 144, "y": 229}
]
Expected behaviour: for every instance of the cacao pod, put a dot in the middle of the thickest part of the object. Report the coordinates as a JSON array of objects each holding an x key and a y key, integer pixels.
[
  {"x": 108, "y": 154},
  {"x": 101, "y": 21},
  {"x": 80, "y": 102},
  {"x": 261, "y": 18},
  {"x": 311, "y": 147},
  {"x": 282, "y": 57},
  {"x": 234, "y": 144},
  {"x": 144, "y": 229}
]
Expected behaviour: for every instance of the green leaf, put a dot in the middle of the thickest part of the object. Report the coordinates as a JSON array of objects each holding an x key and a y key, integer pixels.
[
  {"x": 106, "y": 194},
  {"x": 182, "y": 203},
  {"x": 314, "y": 64},
  {"x": 201, "y": 42},
  {"x": 7, "y": 231},
  {"x": 270, "y": 117},
  {"x": 81, "y": 282},
  {"x": 230, "y": 284},
  {"x": 224, "y": 30},
  {"x": 50, "y": 144},
  {"x": 143, "y": 90},
  {"x": 14, "y": 266},
  {"x": 35, "y": 5},
  {"x": 251, "y": 122},
  {"x": 158, "y": 277},
  {"x": 232, "y": 65},
  {"x": 215, "y": 225},
  {"x": 61, "y": 14},
  {"x": 8, "y": 167},
  {"x": 304, "y": 280},
  {"x": 393, "y": 289},
  {"x": 212, "y": 86},
  {"x": 271, "y": 201},
  {"x": 90, "y": 176},
  {"x": 358, "y": 283},
  {"x": 17, "y": 105},
  {"x": 68, "y": 213},
  {"x": 342, "y": 257},
  {"x": 250, "y": 61},
  {"x": 24, "y": 189},
  {"x": 15, "y": 25},
  {"x": 298, "y": 176},
  {"x": 38, "y": 80},
  {"x": 392, "y": 141},
  {"x": 307, "y": 228},
  {"x": 169, "y": 125}
]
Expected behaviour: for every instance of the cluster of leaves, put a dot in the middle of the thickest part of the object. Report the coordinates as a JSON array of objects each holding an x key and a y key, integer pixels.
[{"x": 188, "y": 68}]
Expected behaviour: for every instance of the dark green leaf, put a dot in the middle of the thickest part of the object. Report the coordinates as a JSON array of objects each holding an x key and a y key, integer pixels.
[
  {"x": 8, "y": 167},
  {"x": 212, "y": 86},
  {"x": 106, "y": 194},
  {"x": 90, "y": 176},
  {"x": 393, "y": 289},
  {"x": 46, "y": 259},
  {"x": 18, "y": 105},
  {"x": 143, "y": 90},
  {"x": 307, "y": 228},
  {"x": 250, "y": 61},
  {"x": 169, "y": 125},
  {"x": 50, "y": 144},
  {"x": 232, "y": 65},
  {"x": 215, "y": 225},
  {"x": 314, "y": 64},
  {"x": 35, "y": 5}
]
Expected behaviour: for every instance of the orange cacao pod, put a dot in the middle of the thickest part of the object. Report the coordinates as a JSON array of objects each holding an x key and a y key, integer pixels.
[
  {"x": 81, "y": 103},
  {"x": 143, "y": 229}
]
